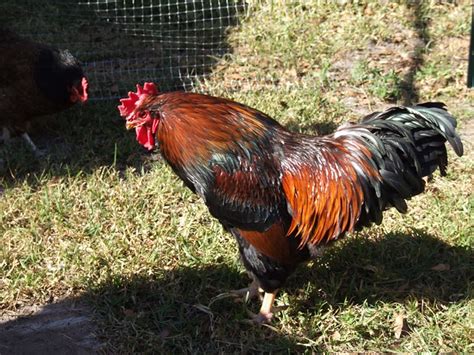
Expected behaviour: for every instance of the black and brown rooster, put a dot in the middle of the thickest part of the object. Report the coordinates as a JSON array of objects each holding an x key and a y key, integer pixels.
[{"x": 282, "y": 194}]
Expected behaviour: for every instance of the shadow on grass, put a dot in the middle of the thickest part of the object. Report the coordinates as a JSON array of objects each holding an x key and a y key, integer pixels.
[
  {"x": 171, "y": 311},
  {"x": 176, "y": 310},
  {"x": 409, "y": 92},
  {"x": 79, "y": 140},
  {"x": 393, "y": 268}
]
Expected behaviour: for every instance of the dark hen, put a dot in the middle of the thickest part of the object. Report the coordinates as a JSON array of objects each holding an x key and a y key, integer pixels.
[{"x": 35, "y": 80}]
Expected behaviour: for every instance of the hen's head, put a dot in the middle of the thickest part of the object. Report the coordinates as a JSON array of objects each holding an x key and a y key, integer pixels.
[
  {"x": 71, "y": 72},
  {"x": 60, "y": 77},
  {"x": 136, "y": 111}
]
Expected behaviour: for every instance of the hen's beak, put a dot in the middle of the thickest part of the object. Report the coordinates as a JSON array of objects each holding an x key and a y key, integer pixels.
[{"x": 79, "y": 92}]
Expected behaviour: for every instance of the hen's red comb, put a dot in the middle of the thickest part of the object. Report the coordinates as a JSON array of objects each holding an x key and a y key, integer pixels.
[
  {"x": 128, "y": 104},
  {"x": 85, "y": 88}
]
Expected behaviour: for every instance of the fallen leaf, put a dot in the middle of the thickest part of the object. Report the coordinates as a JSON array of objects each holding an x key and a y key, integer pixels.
[
  {"x": 441, "y": 267},
  {"x": 400, "y": 326},
  {"x": 336, "y": 336}
]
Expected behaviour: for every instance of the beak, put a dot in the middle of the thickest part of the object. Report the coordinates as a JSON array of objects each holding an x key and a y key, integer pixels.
[
  {"x": 78, "y": 97},
  {"x": 130, "y": 125}
]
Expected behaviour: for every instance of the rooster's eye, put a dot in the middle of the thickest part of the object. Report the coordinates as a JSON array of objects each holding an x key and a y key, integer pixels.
[{"x": 142, "y": 114}]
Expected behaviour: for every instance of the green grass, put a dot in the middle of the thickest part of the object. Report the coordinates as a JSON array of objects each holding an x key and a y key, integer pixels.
[
  {"x": 101, "y": 221},
  {"x": 384, "y": 86}
]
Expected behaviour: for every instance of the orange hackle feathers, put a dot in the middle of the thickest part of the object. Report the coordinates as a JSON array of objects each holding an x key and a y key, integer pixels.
[{"x": 188, "y": 136}]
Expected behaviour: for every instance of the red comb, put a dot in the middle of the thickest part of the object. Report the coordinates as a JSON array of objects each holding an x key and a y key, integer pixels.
[
  {"x": 85, "y": 87},
  {"x": 128, "y": 104}
]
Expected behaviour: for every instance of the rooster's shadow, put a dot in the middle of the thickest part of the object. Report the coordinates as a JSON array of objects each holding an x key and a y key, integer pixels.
[
  {"x": 178, "y": 307},
  {"x": 396, "y": 267}
]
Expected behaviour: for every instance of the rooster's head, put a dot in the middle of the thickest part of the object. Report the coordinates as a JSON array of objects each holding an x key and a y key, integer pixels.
[{"x": 137, "y": 115}]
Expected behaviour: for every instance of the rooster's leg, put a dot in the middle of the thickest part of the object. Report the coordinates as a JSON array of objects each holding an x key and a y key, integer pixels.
[
  {"x": 266, "y": 311},
  {"x": 38, "y": 153}
]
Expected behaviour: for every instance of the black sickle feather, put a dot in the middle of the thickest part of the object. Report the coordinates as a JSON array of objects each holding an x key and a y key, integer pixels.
[{"x": 407, "y": 144}]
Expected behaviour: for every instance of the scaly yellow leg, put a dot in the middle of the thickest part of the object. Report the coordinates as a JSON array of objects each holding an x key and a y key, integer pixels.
[{"x": 265, "y": 315}]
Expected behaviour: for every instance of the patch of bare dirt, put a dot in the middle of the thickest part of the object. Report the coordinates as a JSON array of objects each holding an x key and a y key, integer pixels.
[
  {"x": 399, "y": 54},
  {"x": 59, "y": 328}
]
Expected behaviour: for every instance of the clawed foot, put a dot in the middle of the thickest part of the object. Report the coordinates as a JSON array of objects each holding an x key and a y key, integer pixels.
[
  {"x": 265, "y": 317},
  {"x": 40, "y": 153},
  {"x": 5, "y": 137},
  {"x": 260, "y": 318},
  {"x": 248, "y": 293},
  {"x": 267, "y": 310}
]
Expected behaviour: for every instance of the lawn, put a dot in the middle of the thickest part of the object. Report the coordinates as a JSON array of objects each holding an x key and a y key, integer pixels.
[{"x": 106, "y": 224}]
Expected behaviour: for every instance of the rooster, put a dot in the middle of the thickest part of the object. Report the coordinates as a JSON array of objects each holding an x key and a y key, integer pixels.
[
  {"x": 285, "y": 195},
  {"x": 35, "y": 80}
]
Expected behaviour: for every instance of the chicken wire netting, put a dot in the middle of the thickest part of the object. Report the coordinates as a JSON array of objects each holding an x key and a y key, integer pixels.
[{"x": 123, "y": 42}]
